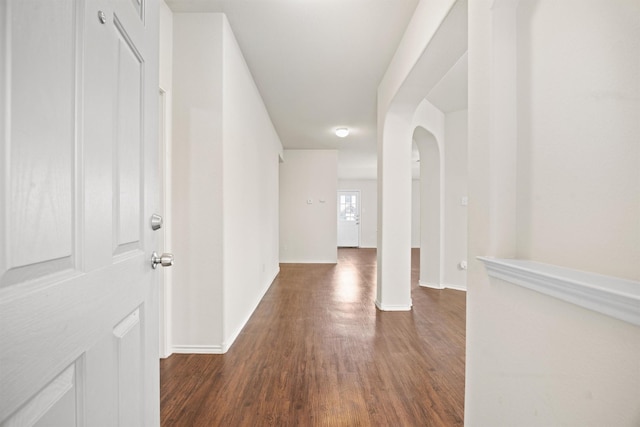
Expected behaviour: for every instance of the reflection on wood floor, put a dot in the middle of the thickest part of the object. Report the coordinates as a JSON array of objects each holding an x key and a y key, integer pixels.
[{"x": 316, "y": 352}]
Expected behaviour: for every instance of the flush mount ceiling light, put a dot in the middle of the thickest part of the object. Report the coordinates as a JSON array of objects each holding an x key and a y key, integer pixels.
[{"x": 342, "y": 132}]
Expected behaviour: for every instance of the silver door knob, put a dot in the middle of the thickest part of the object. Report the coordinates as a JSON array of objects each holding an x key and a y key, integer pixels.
[{"x": 165, "y": 260}]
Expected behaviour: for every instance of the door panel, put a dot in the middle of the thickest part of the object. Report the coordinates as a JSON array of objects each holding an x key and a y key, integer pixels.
[
  {"x": 57, "y": 402},
  {"x": 129, "y": 345},
  {"x": 127, "y": 164},
  {"x": 36, "y": 233},
  {"x": 78, "y": 147}
]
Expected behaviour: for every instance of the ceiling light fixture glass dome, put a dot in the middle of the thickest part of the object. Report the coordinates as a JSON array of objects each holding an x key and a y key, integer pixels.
[{"x": 342, "y": 132}]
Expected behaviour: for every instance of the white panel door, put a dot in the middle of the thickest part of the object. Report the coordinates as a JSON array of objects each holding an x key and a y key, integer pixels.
[
  {"x": 78, "y": 159},
  {"x": 348, "y": 218}
]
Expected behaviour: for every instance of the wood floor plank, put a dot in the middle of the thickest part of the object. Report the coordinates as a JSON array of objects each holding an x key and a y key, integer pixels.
[{"x": 317, "y": 352}]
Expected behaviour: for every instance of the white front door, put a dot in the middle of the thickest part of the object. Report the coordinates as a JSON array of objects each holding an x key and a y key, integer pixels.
[
  {"x": 348, "y": 218},
  {"x": 78, "y": 185}
]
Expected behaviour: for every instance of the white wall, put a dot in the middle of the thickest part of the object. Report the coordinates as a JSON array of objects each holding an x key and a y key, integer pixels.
[
  {"x": 225, "y": 188},
  {"x": 455, "y": 214},
  {"x": 415, "y": 213},
  {"x": 197, "y": 186},
  {"x": 568, "y": 99},
  {"x": 250, "y": 166},
  {"x": 368, "y": 216},
  {"x": 539, "y": 361},
  {"x": 579, "y": 135},
  {"x": 166, "y": 47},
  {"x": 308, "y": 231}
]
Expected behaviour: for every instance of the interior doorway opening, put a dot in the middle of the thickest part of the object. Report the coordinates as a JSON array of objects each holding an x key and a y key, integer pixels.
[{"x": 431, "y": 227}]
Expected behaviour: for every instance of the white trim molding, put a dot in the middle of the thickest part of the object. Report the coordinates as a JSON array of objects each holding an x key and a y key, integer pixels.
[
  {"x": 430, "y": 285},
  {"x": 455, "y": 287},
  {"x": 387, "y": 307},
  {"x": 197, "y": 349},
  {"x": 441, "y": 286},
  {"x": 613, "y": 296}
]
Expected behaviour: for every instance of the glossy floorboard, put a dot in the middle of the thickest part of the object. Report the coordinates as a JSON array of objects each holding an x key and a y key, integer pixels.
[{"x": 316, "y": 352}]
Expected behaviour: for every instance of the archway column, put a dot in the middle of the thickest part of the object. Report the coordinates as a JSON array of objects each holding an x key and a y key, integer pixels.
[
  {"x": 429, "y": 135},
  {"x": 435, "y": 39},
  {"x": 394, "y": 213},
  {"x": 431, "y": 227}
]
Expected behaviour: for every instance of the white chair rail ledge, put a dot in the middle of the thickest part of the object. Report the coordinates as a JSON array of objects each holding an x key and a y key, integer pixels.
[{"x": 613, "y": 296}]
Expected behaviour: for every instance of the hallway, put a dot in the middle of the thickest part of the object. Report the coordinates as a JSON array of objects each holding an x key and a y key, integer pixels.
[{"x": 316, "y": 352}]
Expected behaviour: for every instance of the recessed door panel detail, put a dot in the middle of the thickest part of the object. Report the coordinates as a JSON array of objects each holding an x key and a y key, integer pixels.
[
  {"x": 38, "y": 137},
  {"x": 138, "y": 6},
  {"x": 128, "y": 153},
  {"x": 57, "y": 404},
  {"x": 129, "y": 360}
]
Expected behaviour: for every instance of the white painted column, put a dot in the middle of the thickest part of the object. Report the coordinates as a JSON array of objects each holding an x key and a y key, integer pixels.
[{"x": 394, "y": 213}]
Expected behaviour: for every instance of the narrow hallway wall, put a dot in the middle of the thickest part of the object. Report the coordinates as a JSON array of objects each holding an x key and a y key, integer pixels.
[{"x": 225, "y": 163}]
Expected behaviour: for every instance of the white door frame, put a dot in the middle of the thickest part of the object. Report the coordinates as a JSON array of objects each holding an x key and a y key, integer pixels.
[{"x": 166, "y": 201}]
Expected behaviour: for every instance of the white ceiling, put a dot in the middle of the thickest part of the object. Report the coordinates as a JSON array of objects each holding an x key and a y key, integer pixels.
[{"x": 318, "y": 63}]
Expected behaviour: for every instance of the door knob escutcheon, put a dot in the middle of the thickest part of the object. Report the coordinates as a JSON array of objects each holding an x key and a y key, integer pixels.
[{"x": 156, "y": 222}]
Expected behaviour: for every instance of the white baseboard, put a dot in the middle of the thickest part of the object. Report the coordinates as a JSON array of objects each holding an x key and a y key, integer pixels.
[
  {"x": 456, "y": 287},
  {"x": 387, "y": 307},
  {"x": 307, "y": 261},
  {"x": 197, "y": 349},
  {"x": 430, "y": 285},
  {"x": 441, "y": 286},
  {"x": 225, "y": 346}
]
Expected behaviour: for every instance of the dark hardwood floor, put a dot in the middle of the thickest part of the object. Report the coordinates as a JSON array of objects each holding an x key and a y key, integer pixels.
[{"x": 316, "y": 352}]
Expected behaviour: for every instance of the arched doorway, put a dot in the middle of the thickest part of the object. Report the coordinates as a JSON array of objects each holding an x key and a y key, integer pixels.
[{"x": 431, "y": 228}]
